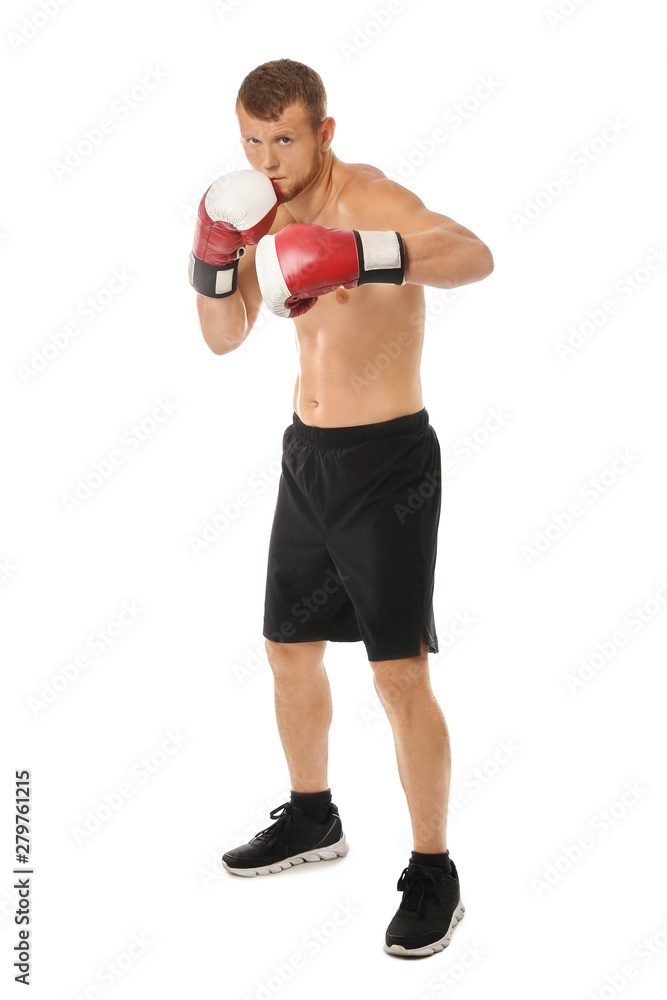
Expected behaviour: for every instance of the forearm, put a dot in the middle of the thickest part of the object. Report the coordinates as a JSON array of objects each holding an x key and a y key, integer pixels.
[
  {"x": 223, "y": 321},
  {"x": 234, "y": 213},
  {"x": 445, "y": 257}
]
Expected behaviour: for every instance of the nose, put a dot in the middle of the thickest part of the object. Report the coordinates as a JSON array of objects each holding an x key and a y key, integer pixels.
[{"x": 269, "y": 160}]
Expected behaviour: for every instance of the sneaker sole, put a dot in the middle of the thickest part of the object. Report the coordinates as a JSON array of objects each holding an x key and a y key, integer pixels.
[
  {"x": 330, "y": 853},
  {"x": 429, "y": 949}
]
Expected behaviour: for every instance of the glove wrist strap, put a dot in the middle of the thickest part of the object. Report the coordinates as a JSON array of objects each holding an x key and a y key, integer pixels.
[
  {"x": 381, "y": 257},
  {"x": 215, "y": 280}
]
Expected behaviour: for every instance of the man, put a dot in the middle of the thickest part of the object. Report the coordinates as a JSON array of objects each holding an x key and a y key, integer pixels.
[{"x": 345, "y": 253}]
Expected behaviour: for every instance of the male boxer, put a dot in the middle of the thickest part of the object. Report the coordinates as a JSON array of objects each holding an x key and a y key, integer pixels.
[{"x": 344, "y": 252}]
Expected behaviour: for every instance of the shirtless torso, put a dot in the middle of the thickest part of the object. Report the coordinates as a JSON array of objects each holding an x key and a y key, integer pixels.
[{"x": 345, "y": 374}]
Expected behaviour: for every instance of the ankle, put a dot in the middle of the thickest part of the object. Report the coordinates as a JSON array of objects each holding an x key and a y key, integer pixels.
[
  {"x": 438, "y": 859},
  {"x": 317, "y": 805}
]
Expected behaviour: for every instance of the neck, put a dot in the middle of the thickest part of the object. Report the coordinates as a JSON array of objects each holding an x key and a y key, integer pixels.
[{"x": 310, "y": 202}]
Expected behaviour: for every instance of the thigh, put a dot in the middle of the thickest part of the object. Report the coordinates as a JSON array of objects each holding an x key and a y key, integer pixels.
[
  {"x": 384, "y": 545},
  {"x": 305, "y": 599}
]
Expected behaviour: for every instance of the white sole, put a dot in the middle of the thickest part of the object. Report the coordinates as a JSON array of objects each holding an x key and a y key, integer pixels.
[
  {"x": 330, "y": 853},
  {"x": 430, "y": 949}
]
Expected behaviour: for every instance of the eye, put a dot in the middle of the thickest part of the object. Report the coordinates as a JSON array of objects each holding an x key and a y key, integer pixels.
[{"x": 253, "y": 140}]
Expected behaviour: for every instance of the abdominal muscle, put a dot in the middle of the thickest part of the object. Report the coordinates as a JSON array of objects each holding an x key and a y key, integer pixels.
[{"x": 359, "y": 353}]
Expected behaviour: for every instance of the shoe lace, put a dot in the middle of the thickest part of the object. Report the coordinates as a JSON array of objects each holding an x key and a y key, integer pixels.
[
  {"x": 415, "y": 882},
  {"x": 282, "y": 814}
]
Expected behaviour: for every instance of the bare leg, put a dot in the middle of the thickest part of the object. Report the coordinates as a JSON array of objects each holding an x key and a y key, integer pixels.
[
  {"x": 303, "y": 710},
  {"x": 422, "y": 746}
]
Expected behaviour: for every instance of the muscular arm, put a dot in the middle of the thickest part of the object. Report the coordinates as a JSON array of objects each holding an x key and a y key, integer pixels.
[
  {"x": 225, "y": 323},
  {"x": 438, "y": 251}
]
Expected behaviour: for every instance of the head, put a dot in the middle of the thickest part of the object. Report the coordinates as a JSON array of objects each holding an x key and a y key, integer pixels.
[{"x": 285, "y": 131}]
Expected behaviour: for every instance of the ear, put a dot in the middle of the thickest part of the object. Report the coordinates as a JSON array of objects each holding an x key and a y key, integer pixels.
[{"x": 326, "y": 132}]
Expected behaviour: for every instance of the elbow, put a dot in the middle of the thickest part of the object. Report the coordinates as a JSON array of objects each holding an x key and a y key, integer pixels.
[
  {"x": 490, "y": 263},
  {"x": 223, "y": 348},
  {"x": 483, "y": 262},
  {"x": 220, "y": 344},
  {"x": 473, "y": 263},
  {"x": 215, "y": 344},
  {"x": 223, "y": 326}
]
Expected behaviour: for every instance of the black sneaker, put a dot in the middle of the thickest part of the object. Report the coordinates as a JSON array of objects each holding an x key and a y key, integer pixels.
[
  {"x": 429, "y": 911},
  {"x": 291, "y": 840}
]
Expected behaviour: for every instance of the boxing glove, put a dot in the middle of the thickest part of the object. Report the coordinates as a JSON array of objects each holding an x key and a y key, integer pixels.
[
  {"x": 235, "y": 212},
  {"x": 305, "y": 260}
]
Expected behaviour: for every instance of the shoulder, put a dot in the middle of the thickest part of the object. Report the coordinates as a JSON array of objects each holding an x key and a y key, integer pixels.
[{"x": 369, "y": 198}]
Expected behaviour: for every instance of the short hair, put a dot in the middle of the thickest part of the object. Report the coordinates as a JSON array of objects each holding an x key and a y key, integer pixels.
[{"x": 268, "y": 89}]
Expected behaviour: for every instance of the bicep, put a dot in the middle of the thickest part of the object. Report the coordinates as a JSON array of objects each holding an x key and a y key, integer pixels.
[{"x": 391, "y": 206}]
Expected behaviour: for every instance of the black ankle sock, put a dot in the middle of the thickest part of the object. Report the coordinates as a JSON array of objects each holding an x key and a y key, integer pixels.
[
  {"x": 436, "y": 860},
  {"x": 317, "y": 805}
]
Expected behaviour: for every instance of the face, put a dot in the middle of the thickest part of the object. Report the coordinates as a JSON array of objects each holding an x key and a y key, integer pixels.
[{"x": 286, "y": 150}]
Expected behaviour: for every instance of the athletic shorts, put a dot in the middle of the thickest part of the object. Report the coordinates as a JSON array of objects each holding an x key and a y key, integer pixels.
[{"x": 354, "y": 539}]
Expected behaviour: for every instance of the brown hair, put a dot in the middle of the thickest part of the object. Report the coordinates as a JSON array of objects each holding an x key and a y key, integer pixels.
[{"x": 271, "y": 87}]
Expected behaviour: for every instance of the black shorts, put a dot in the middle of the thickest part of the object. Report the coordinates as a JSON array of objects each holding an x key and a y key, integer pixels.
[{"x": 354, "y": 539}]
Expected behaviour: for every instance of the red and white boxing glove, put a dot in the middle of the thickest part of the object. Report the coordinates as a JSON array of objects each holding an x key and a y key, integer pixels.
[
  {"x": 305, "y": 260},
  {"x": 235, "y": 212}
]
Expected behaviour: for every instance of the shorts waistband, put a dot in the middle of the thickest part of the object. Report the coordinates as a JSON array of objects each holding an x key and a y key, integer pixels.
[{"x": 341, "y": 437}]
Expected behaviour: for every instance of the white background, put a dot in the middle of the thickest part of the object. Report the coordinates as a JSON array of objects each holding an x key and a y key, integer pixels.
[{"x": 191, "y": 661}]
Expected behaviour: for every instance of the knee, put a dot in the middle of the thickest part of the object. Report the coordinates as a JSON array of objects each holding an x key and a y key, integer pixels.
[
  {"x": 397, "y": 687},
  {"x": 283, "y": 656},
  {"x": 276, "y": 653},
  {"x": 272, "y": 648}
]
